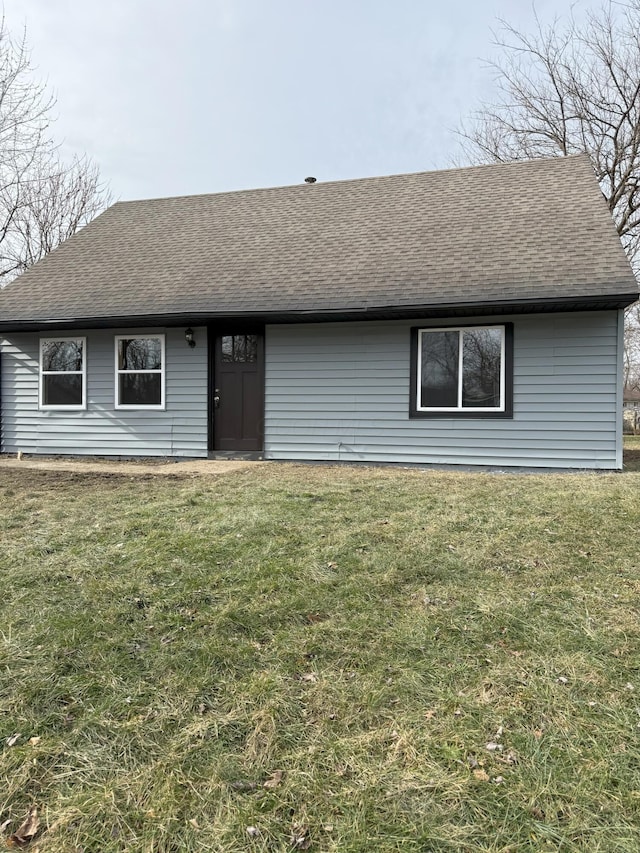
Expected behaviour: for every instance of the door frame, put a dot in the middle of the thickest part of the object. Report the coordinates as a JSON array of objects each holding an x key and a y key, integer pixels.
[{"x": 214, "y": 331}]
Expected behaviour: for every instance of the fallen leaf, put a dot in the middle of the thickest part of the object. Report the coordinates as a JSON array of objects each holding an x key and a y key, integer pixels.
[
  {"x": 194, "y": 823},
  {"x": 498, "y": 780},
  {"x": 253, "y": 832},
  {"x": 5, "y": 825},
  {"x": 274, "y": 780},
  {"x": 537, "y": 733},
  {"x": 26, "y": 831},
  {"x": 300, "y": 837},
  {"x": 243, "y": 785},
  {"x": 310, "y": 677},
  {"x": 562, "y": 680},
  {"x": 537, "y": 813},
  {"x": 481, "y": 775},
  {"x": 493, "y": 747},
  {"x": 34, "y": 741},
  {"x": 13, "y": 740},
  {"x": 499, "y": 733},
  {"x": 430, "y": 714}
]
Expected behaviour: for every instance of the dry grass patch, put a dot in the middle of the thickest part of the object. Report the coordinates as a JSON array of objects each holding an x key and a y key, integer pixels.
[{"x": 328, "y": 659}]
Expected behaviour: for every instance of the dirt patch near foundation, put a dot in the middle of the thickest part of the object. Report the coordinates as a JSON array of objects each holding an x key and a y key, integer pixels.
[{"x": 140, "y": 469}]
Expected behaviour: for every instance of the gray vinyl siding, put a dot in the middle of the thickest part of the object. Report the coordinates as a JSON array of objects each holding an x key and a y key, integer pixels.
[
  {"x": 178, "y": 430},
  {"x": 340, "y": 391}
]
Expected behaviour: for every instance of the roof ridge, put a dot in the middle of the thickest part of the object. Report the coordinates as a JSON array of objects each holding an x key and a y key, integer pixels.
[{"x": 319, "y": 184}]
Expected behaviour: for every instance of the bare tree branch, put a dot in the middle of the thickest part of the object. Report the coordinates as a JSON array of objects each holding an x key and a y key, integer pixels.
[
  {"x": 43, "y": 200},
  {"x": 569, "y": 89}
]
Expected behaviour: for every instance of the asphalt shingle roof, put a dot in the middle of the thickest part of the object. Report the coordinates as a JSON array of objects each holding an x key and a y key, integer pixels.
[{"x": 533, "y": 230}]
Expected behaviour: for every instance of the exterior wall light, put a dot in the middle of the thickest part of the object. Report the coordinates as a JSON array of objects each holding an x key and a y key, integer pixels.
[{"x": 188, "y": 336}]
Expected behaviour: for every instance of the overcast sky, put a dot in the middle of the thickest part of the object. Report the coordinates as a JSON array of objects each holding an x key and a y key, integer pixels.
[{"x": 195, "y": 96}]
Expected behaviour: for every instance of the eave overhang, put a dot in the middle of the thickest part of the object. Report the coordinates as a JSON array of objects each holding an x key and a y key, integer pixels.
[{"x": 323, "y": 315}]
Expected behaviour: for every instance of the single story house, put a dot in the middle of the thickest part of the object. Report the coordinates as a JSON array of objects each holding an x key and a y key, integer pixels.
[
  {"x": 470, "y": 316},
  {"x": 631, "y": 411},
  {"x": 631, "y": 398}
]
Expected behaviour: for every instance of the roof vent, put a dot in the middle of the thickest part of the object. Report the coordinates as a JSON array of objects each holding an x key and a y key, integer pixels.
[{"x": 309, "y": 180}]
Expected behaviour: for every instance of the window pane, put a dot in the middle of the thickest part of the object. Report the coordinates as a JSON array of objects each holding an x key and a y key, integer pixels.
[
  {"x": 62, "y": 355},
  {"x": 239, "y": 347},
  {"x": 252, "y": 348},
  {"x": 64, "y": 389},
  {"x": 140, "y": 354},
  {"x": 439, "y": 369},
  {"x": 140, "y": 389},
  {"x": 227, "y": 348},
  {"x": 481, "y": 357}
]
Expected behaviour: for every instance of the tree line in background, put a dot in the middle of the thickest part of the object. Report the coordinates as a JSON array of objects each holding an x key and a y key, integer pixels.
[
  {"x": 43, "y": 198},
  {"x": 568, "y": 89}
]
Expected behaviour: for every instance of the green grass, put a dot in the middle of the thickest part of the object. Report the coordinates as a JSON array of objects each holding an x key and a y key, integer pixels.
[{"x": 173, "y": 642}]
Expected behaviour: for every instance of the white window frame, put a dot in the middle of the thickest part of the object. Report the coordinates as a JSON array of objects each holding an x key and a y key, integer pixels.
[
  {"x": 162, "y": 372},
  {"x": 460, "y": 408},
  {"x": 72, "y": 407}
]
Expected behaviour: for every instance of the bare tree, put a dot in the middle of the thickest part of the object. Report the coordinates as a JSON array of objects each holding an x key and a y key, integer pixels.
[
  {"x": 43, "y": 200},
  {"x": 568, "y": 89},
  {"x": 631, "y": 360}
]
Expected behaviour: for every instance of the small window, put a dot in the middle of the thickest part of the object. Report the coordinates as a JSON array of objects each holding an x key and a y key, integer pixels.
[
  {"x": 240, "y": 348},
  {"x": 140, "y": 372},
  {"x": 465, "y": 371},
  {"x": 63, "y": 373}
]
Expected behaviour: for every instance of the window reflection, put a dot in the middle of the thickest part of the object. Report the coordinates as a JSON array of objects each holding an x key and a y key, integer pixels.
[
  {"x": 439, "y": 369},
  {"x": 140, "y": 371},
  {"x": 481, "y": 357},
  {"x": 62, "y": 389},
  {"x": 461, "y": 368},
  {"x": 139, "y": 354},
  {"x": 63, "y": 356},
  {"x": 227, "y": 348},
  {"x": 62, "y": 372},
  {"x": 140, "y": 389},
  {"x": 240, "y": 348}
]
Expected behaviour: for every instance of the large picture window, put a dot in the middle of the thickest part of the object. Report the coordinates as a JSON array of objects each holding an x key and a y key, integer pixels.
[
  {"x": 462, "y": 371},
  {"x": 140, "y": 372},
  {"x": 62, "y": 373}
]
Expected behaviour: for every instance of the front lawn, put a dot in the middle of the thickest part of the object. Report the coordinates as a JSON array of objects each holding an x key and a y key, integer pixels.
[{"x": 326, "y": 659}]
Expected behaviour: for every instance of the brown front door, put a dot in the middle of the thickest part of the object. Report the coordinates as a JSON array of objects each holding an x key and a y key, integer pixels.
[{"x": 238, "y": 391}]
